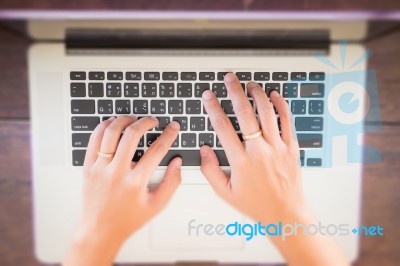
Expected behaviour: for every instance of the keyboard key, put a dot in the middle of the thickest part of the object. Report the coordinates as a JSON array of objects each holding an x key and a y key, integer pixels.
[
  {"x": 299, "y": 107},
  {"x": 199, "y": 88},
  {"x": 151, "y": 137},
  {"x": 96, "y": 75},
  {"x": 189, "y": 157},
  {"x": 96, "y": 90},
  {"x": 105, "y": 106},
  {"x": 133, "y": 76},
  {"x": 193, "y": 106},
  {"x": 158, "y": 107},
  {"x": 113, "y": 90},
  {"x": 163, "y": 121},
  {"x": 209, "y": 125},
  {"x": 77, "y": 75},
  {"x": 220, "y": 90},
  {"x": 78, "y": 89},
  {"x": 312, "y": 90},
  {"x": 227, "y": 106},
  {"x": 219, "y": 145},
  {"x": 141, "y": 142},
  {"x": 166, "y": 89},
  {"x": 82, "y": 106},
  {"x": 261, "y": 76},
  {"x": 183, "y": 121},
  {"x": 290, "y": 90},
  {"x": 309, "y": 140},
  {"x": 302, "y": 156},
  {"x": 235, "y": 123},
  {"x": 206, "y": 139},
  {"x": 170, "y": 75},
  {"x": 138, "y": 155},
  {"x": 309, "y": 123},
  {"x": 280, "y": 76},
  {"x": 151, "y": 75},
  {"x": 184, "y": 90},
  {"x": 272, "y": 86},
  {"x": 131, "y": 89},
  {"x": 122, "y": 107},
  {"x": 176, "y": 142},
  {"x": 316, "y": 76},
  {"x": 298, "y": 76},
  {"x": 315, "y": 107},
  {"x": 188, "y": 140},
  {"x": 80, "y": 140},
  {"x": 197, "y": 123},
  {"x": 84, "y": 123},
  {"x": 244, "y": 75},
  {"x": 149, "y": 89},
  {"x": 188, "y": 76},
  {"x": 78, "y": 157},
  {"x": 221, "y": 75},
  {"x": 140, "y": 107},
  {"x": 314, "y": 162},
  {"x": 175, "y": 107},
  {"x": 115, "y": 75},
  {"x": 206, "y": 76}
]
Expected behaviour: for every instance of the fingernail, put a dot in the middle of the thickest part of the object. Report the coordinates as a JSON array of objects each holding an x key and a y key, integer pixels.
[
  {"x": 178, "y": 163},
  {"x": 203, "y": 152},
  {"x": 175, "y": 125},
  {"x": 207, "y": 95},
  {"x": 229, "y": 77},
  {"x": 252, "y": 84},
  {"x": 274, "y": 93},
  {"x": 112, "y": 118}
]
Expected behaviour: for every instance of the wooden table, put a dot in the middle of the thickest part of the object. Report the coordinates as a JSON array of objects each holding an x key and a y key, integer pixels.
[{"x": 381, "y": 183}]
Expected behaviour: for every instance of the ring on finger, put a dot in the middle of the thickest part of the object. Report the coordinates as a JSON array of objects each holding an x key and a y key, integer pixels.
[
  {"x": 252, "y": 136},
  {"x": 105, "y": 155}
]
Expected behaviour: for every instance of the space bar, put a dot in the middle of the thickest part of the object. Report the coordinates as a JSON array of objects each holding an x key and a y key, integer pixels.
[{"x": 192, "y": 157}]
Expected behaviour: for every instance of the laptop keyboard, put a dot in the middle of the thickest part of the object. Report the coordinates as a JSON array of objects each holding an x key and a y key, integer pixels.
[{"x": 98, "y": 95}]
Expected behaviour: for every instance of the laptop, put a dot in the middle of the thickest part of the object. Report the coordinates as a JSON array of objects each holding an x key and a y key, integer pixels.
[{"x": 85, "y": 67}]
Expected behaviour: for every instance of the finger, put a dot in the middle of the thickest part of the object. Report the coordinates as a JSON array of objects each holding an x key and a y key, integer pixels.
[
  {"x": 211, "y": 170},
  {"x": 95, "y": 142},
  {"x": 166, "y": 189},
  {"x": 265, "y": 111},
  {"x": 241, "y": 105},
  {"x": 113, "y": 133},
  {"x": 284, "y": 114},
  {"x": 222, "y": 126},
  {"x": 131, "y": 138},
  {"x": 158, "y": 149}
]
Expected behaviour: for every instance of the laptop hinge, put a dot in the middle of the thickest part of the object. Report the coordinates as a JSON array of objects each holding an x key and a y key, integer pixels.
[{"x": 250, "y": 42}]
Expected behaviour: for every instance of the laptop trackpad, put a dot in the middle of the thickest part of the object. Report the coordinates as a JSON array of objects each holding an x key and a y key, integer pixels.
[{"x": 195, "y": 219}]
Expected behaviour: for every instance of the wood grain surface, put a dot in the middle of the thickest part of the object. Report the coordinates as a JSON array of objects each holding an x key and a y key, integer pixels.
[{"x": 381, "y": 183}]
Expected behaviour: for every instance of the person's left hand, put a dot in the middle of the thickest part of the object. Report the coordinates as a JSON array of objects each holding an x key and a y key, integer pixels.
[{"x": 116, "y": 198}]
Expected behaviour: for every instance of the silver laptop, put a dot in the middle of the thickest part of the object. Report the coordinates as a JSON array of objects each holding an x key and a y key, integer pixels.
[{"x": 85, "y": 67}]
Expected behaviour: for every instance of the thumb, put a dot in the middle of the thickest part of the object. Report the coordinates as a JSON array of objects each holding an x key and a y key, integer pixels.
[
  {"x": 211, "y": 170},
  {"x": 166, "y": 189}
]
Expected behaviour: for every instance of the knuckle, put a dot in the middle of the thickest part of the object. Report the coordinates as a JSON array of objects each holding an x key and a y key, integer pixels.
[
  {"x": 159, "y": 146},
  {"x": 132, "y": 130},
  {"x": 244, "y": 110},
  {"x": 221, "y": 122}
]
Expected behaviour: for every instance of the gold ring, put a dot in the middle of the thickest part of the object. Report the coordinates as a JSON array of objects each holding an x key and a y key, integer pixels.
[
  {"x": 252, "y": 136},
  {"x": 105, "y": 155}
]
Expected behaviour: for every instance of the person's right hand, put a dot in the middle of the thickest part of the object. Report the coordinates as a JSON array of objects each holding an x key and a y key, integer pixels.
[
  {"x": 265, "y": 181},
  {"x": 265, "y": 173}
]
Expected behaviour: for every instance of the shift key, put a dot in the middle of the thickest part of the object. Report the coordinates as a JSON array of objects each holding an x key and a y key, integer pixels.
[
  {"x": 84, "y": 123},
  {"x": 309, "y": 140}
]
